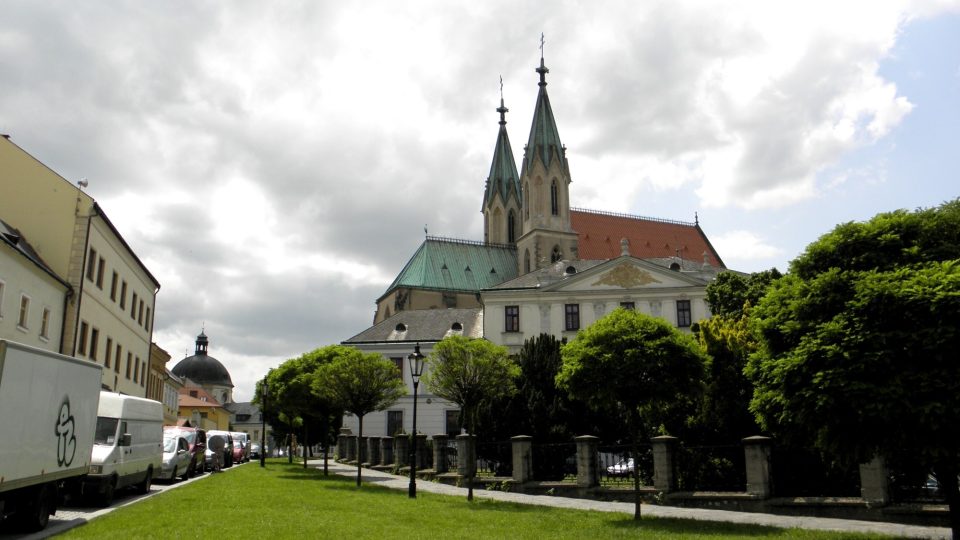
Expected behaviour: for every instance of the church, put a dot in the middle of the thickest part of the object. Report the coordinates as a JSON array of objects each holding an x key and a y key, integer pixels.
[{"x": 543, "y": 266}]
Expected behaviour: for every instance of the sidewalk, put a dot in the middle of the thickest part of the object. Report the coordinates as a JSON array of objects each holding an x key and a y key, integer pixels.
[{"x": 811, "y": 523}]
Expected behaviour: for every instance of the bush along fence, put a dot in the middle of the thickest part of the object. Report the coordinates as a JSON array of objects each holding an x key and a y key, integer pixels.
[{"x": 741, "y": 477}]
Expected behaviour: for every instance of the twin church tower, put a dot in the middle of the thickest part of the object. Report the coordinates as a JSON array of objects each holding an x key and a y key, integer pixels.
[{"x": 531, "y": 210}]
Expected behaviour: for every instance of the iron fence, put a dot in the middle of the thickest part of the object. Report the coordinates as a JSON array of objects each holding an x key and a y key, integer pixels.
[
  {"x": 554, "y": 461},
  {"x": 617, "y": 464},
  {"x": 495, "y": 458},
  {"x": 711, "y": 468}
]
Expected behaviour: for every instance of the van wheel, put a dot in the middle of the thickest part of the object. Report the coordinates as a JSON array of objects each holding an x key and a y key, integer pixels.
[
  {"x": 106, "y": 498},
  {"x": 144, "y": 487}
]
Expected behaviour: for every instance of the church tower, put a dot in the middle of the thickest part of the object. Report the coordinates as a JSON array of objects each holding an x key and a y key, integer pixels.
[
  {"x": 547, "y": 236},
  {"x": 501, "y": 199}
]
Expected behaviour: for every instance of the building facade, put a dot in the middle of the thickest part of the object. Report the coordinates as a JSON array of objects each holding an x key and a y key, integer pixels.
[
  {"x": 109, "y": 317},
  {"x": 32, "y": 296}
]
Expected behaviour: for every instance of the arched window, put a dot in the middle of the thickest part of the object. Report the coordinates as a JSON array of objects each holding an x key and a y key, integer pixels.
[
  {"x": 511, "y": 228},
  {"x": 526, "y": 262},
  {"x": 554, "y": 198},
  {"x": 556, "y": 255},
  {"x": 527, "y": 200}
]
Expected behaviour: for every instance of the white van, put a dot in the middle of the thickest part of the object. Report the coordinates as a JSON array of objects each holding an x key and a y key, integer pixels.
[{"x": 127, "y": 446}]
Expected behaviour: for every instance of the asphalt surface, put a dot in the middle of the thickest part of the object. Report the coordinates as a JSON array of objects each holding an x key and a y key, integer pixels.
[{"x": 895, "y": 530}]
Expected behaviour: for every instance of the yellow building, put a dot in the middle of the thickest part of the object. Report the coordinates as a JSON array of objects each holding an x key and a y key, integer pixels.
[
  {"x": 202, "y": 409},
  {"x": 109, "y": 317}
]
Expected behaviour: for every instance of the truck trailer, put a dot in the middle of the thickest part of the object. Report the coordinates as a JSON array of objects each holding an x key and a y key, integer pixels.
[{"x": 48, "y": 415}]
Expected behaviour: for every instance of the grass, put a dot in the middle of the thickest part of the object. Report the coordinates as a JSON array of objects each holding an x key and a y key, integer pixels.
[{"x": 286, "y": 501}]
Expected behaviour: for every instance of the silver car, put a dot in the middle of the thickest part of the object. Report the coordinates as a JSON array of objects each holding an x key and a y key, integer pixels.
[{"x": 176, "y": 458}]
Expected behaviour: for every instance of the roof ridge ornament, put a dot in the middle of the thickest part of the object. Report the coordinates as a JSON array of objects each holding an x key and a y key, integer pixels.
[
  {"x": 503, "y": 110},
  {"x": 542, "y": 70}
]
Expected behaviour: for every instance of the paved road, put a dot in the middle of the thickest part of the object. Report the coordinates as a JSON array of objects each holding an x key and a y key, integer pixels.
[
  {"x": 812, "y": 523},
  {"x": 69, "y": 517}
]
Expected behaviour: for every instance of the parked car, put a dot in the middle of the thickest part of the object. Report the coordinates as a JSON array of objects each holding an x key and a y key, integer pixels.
[
  {"x": 624, "y": 467},
  {"x": 255, "y": 451},
  {"x": 245, "y": 439},
  {"x": 227, "y": 460},
  {"x": 176, "y": 457},
  {"x": 197, "y": 439},
  {"x": 238, "y": 451}
]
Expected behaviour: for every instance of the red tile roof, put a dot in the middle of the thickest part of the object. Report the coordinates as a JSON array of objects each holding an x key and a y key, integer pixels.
[{"x": 600, "y": 233}]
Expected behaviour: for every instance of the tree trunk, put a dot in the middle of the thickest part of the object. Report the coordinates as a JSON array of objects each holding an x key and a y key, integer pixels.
[
  {"x": 326, "y": 435},
  {"x": 306, "y": 443},
  {"x": 947, "y": 476},
  {"x": 635, "y": 454},
  {"x": 359, "y": 450},
  {"x": 290, "y": 447}
]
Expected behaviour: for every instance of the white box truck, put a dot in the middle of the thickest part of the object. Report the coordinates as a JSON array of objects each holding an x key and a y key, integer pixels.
[
  {"x": 48, "y": 414},
  {"x": 127, "y": 446}
]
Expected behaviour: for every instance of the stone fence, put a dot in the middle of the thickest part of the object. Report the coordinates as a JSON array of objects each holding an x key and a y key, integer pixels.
[{"x": 393, "y": 453}]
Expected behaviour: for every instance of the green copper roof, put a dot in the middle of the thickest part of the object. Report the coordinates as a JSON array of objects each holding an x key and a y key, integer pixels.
[
  {"x": 503, "y": 178},
  {"x": 544, "y": 139},
  {"x": 457, "y": 265}
]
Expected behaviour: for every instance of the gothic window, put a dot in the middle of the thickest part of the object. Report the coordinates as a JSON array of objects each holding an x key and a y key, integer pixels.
[
  {"x": 511, "y": 228},
  {"x": 556, "y": 255},
  {"x": 526, "y": 262},
  {"x": 526, "y": 200},
  {"x": 554, "y": 199}
]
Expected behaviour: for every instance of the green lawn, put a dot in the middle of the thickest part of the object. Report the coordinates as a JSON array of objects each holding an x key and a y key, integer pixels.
[{"x": 286, "y": 501}]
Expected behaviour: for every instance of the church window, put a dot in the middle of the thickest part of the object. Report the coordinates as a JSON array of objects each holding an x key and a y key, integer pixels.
[
  {"x": 683, "y": 313},
  {"x": 554, "y": 199},
  {"x": 571, "y": 316},
  {"x": 526, "y": 200},
  {"x": 526, "y": 262},
  {"x": 556, "y": 255},
  {"x": 511, "y": 228},
  {"x": 511, "y": 317}
]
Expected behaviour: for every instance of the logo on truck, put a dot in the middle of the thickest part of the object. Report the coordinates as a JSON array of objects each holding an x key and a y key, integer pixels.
[{"x": 66, "y": 440}]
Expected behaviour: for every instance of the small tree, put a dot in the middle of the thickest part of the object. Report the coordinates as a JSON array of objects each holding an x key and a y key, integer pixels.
[
  {"x": 360, "y": 383},
  {"x": 471, "y": 373},
  {"x": 639, "y": 366}
]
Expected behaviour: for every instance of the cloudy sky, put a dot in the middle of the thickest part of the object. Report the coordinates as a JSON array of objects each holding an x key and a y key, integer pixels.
[{"x": 274, "y": 163}]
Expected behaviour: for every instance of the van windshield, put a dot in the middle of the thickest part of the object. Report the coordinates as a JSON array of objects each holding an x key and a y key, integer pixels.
[{"x": 106, "y": 430}]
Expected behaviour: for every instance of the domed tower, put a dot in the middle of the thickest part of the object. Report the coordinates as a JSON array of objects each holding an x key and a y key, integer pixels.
[{"x": 207, "y": 372}]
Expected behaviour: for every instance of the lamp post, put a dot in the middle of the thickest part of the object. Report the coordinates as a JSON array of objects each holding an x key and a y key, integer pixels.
[
  {"x": 416, "y": 369},
  {"x": 263, "y": 424}
]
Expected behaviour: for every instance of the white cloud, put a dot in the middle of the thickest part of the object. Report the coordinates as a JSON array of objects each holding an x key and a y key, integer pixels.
[{"x": 744, "y": 247}]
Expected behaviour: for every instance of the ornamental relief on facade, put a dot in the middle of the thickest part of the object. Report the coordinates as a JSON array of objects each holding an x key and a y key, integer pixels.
[{"x": 627, "y": 276}]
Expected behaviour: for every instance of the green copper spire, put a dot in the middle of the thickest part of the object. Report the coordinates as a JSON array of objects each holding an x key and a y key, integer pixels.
[
  {"x": 544, "y": 142},
  {"x": 503, "y": 178}
]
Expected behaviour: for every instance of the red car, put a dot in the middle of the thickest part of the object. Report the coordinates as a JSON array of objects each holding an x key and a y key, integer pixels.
[
  {"x": 237, "y": 451},
  {"x": 197, "y": 439}
]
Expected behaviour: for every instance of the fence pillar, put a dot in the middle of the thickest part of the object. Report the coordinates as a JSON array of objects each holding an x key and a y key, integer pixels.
[
  {"x": 361, "y": 449},
  {"x": 351, "y": 448},
  {"x": 373, "y": 450},
  {"x": 664, "y": 448},
  {"x": 401, "y": 450},
  {"x": 588, "y": 473},
  {"x": 756, "y": 453},
  {"x": 440, "y": 453},
  {"x": 423, "y": 457},
  {"x": 466, "y": 455},
  {"x": 386, "y": 450},
  {"x": 522, "y": 453},
  {"x": 874, "y": 482}
]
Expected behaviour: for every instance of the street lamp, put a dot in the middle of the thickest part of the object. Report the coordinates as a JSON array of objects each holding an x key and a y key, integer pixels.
[
  {"x": 416, "y": 369},
  {"x": 265, "y": 389}
]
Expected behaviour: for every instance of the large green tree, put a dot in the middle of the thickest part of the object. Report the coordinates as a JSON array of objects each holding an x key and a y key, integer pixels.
[
  {"x": 473, "y": 373},
  {"x": 730, "y": 292},
  {"x": 641, "y": 368},
  {"x": 859, "y": 343},
  {"x": 359, "y": 383}
]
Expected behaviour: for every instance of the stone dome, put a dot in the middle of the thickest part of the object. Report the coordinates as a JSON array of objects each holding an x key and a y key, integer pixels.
[{"x": 202, "y": 368}]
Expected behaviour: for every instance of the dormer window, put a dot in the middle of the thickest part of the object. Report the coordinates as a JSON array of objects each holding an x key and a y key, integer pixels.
[
  {"x": 456, "y": 327},
  {"x": 401, "y": 327}
]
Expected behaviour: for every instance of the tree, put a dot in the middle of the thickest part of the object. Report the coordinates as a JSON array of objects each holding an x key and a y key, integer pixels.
[
  {"x": 731, "y": 291},
  {"x": 858, "y": 344},
  {"x": 473, "y": 373},
  {"x": 358, "y": 382},
  {"x": 642, "y": 368}
]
